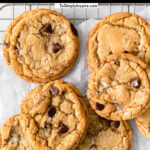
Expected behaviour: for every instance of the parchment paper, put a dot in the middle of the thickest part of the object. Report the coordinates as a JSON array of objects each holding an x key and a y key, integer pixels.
[{"x": 13, "y": 89}]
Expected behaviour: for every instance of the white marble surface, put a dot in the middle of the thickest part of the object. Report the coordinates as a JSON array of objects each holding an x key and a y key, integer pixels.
[{"x": 13, "y": 89}]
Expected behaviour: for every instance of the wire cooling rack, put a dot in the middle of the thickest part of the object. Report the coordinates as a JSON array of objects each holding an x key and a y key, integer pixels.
[{"x": 9, "y": 11}]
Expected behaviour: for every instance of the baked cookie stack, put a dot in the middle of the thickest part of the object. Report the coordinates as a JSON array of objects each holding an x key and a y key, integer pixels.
[{"x": 119, "y": 58}]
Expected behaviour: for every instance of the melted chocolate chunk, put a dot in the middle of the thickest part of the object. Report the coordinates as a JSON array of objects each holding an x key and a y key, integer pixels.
[
  {"x": 110, "y": 52},
  {"x": 18, "y": 40},
  {"x": 126, "y": 52},
  {"x": 99, "y": 106},
  {"x": 115, "y": 125},
  {"x": 45, "y": 125},
  {"x": 107, "y": 122},
  {"x": 47, "y": 28},
  {"x": 62, "y": 128},
  {"x": 54, "y": 90},
  {"x": 56, "y": 47},
  {"x": 136, "y": 82},
  {"x": 15, "y": 47},
  {"x": 5, "y": 44},
  {"x": 51, "y": 111}
]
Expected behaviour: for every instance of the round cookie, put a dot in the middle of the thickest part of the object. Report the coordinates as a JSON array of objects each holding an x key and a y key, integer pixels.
[
  {"x": 106, "y": 134},
  {"x": 143, "y": 123},
  {"x": 41, "y": 45},
  {"x": 13, "y": 24},
  {"x": 117, "y": 33},
  {"x": 11, "y": 136},
  {"x": 120, "y": 89},
  {"x": 54, "y": 116}
]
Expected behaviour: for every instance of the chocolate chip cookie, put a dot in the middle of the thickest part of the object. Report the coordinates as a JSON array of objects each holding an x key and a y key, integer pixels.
[
  {"x": 120, "y": 89},
  {"x": 118, "y": 33},
  {"x": 11, "y": 136},
  {"x": 106, "y": 134},
  {"x": 41, "y": 45},
  {"x": 143, "y": 123},
  {"x": 54, "y": 116}
]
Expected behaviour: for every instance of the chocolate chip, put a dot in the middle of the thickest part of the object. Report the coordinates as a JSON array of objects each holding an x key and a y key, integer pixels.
[
  {"x": 51, "y": 111},
  {"x": 54, "y": 90},
  {"x": 62, "y": 128},
  {"x": 74, "y": 30},
  {"x": 98, "y": 65},
  {"x": 93, "y": 146},
  {"x": 63, "y": 92},
  {"x": 15, "y": 47},
  {"x": 108, "y": 122},
  {"x": 45, "y": 124},
  {"x": 126, "y": 52},
  {"x": 47, "y": 28},
  {"x": 105, "y": 121},
  {"x": 116, "y": 62},
  {"x": 5, "y": 44},
  {"x": 50, "y": 125},
  {"x": 56, "y": 47},
  {"x": 115, "y": 125},
  {"x": 99, "y": 106},
  {"x": 110, "y": 52},
  {"x": 18, "y": 40},
  {"x": 136, "y": 82}
]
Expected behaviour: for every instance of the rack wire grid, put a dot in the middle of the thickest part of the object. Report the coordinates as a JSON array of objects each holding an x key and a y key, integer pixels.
[{"x": 8, "y": 11}]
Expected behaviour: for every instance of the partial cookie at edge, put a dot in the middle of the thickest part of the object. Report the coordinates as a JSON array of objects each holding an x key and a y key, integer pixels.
[
  {"x": 11, "y": 136},
  {"x": 143, "y": 123},
  {"x": 106, "y": 134}
]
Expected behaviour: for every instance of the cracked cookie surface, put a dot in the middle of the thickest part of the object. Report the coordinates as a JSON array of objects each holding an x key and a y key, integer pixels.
[
  {"x": 117, "y": 33},
  {"x": 41, "y": 45},
  {"x": 54, "y": 116},
  {"x": 11, "y": 136},
  {"x": 120, "y": 89},
  {"x": 106, "y": 134},
  {"x": 143, "y": 123}
]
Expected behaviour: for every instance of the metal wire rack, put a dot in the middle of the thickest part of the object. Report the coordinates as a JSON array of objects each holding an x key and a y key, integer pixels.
[{"x": 9, "y": 11}]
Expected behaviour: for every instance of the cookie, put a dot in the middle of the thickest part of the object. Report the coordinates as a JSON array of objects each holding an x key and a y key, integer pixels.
[
  {"x": 120, "y": 89},
  {"x": 54, "y": 116},
  {"x": 106, "y": 134},
  {"x": 11, "y": 136},
  {"x": 41, "y": 45},
  {"x": 143, "y": 123},
  {"x": 118, "y": 33}
]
